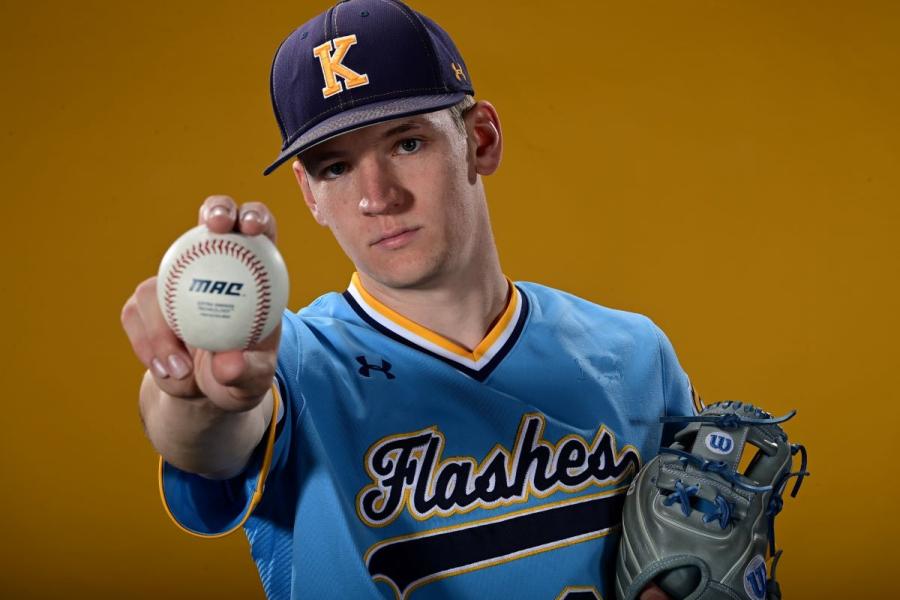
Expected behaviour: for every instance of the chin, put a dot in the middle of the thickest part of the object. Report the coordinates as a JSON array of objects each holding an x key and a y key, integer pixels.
[{"x": 405, "y": 272}]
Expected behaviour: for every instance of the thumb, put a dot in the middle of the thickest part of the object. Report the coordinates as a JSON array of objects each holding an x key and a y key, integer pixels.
[
  {"x": 229, "y": 367},
  {"x": 247, "y": 374}
]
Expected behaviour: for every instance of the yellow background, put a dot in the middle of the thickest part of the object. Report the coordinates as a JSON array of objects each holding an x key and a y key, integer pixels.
[{"x": 728, "y": 168}]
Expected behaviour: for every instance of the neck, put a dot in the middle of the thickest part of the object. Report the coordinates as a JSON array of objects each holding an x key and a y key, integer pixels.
[{"x": 461, "y": 308}]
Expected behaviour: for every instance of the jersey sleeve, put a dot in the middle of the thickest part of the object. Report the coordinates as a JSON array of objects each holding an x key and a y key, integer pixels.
[
  {"x": 678, "y": 392},
  {"x": 215, "y": 508}
]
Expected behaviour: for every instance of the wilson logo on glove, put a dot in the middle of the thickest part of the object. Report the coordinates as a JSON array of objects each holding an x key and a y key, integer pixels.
[
  {"x": 719, "y": 442},
  {"x": 755, "y": 578}
]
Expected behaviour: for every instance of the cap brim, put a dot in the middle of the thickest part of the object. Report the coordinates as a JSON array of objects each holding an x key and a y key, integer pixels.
[{"x": 363, "y": 116}]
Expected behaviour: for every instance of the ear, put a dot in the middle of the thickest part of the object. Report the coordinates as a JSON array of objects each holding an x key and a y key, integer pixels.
[
  {"x": 303, "y": 182},
  {"x": 483, "y": 127}
]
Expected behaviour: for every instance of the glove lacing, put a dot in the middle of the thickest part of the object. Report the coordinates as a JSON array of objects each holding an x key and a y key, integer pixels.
[{"x": 720, "y": 510}]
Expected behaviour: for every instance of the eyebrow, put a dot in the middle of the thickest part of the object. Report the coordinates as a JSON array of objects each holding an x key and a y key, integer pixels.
[
  {"x": 401, "y": 128},
  {"x": 312, "y": 163}
]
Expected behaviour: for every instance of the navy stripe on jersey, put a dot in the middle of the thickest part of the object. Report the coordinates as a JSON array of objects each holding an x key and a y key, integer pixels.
[{"x": 411, "y": 561}]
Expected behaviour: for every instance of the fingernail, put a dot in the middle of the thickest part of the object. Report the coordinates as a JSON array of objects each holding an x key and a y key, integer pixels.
[
  {"x": 251, "y": 215},
  {"x": 218, "y": 211},
  {"x": 178, "y": 366},
  {"x": 158, "y": 369}
]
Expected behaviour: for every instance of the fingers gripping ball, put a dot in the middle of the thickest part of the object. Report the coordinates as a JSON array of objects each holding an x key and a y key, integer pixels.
[
  {"x": 222, "y": 291},
  {"x": 700, "y": 517}
]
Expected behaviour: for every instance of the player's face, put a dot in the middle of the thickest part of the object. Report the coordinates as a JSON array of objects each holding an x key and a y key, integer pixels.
[{"x": 403, "y": 199}]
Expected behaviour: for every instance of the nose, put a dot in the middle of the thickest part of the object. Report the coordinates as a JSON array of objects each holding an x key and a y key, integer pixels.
[{"x": 382, "y": 192}]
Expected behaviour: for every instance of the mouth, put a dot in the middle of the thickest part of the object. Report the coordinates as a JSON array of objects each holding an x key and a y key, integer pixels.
[{"x": 395, "y": 238}]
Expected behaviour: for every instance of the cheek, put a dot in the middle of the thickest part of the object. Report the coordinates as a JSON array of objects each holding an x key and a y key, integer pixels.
[
  {"x": 339, "y": 219},
  {"x": 459, "y": 203},
  {"x": 340, "y": 226},
  {"x": 332, "y": 210},
  {"x": 325, "y": 214}
]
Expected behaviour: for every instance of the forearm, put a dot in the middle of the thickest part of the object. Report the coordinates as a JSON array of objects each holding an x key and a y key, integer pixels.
[{"x": 195, "y": 435}]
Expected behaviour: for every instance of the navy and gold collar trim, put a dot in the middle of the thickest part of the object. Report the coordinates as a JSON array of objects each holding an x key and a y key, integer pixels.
[{"x": 477, "y": 363}]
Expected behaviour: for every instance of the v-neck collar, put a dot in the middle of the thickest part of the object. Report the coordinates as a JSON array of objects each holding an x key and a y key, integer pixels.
[{"x": 477, "y": 363}]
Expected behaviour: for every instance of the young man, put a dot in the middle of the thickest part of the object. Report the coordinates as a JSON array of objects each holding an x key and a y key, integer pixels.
[{"x": 435, "y": 431}]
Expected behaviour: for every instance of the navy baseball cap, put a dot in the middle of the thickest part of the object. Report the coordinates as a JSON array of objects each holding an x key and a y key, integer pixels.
[{"x": 359, "y": 63}]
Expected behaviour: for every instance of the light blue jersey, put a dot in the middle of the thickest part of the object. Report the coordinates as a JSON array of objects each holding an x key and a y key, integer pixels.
[{"x": 402, "y": 465}]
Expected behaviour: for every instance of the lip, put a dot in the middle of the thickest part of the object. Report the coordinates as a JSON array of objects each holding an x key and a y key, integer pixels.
[{"x": 395, "y": 238}]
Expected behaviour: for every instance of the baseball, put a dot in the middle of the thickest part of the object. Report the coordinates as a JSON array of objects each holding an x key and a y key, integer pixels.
[{"x": 222, "y": 291}]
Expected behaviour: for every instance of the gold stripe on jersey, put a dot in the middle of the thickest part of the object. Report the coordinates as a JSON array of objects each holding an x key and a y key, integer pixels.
[
  {"x": 260, "y": 481},
  {"x": 588, "y": 589},
  {"x": 404, "y": 326}
]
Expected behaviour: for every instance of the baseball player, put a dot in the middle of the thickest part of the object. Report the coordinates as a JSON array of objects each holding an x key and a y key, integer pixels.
[{"x": 435, "y": 430}]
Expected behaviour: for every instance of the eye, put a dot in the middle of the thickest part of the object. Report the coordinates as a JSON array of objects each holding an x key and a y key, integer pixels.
[
  {"x": 409, "y": 145},
  {"x": 334, "y": 170}
]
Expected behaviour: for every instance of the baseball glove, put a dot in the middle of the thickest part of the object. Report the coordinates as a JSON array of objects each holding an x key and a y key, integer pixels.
[{"x": 695, "y": 522}]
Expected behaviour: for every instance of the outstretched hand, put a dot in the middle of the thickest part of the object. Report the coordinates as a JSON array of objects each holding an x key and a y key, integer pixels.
[{"x": 234, "y": 380}]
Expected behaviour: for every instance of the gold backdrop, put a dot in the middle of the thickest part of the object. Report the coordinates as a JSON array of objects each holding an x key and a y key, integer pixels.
[{"x": 729, "y": 168}]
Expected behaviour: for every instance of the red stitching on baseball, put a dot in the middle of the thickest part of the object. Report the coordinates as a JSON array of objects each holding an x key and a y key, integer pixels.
[{"x": 236, "y": 250}]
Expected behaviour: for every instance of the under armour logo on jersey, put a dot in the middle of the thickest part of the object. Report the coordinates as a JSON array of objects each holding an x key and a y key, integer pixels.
[
  {"x": 366, "y": 369},
  {"x": 330, "y": 55}
]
